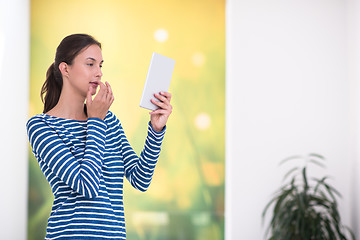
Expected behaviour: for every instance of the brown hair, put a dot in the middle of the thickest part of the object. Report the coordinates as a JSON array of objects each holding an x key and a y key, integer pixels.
[{"x": 67, "y": 50}]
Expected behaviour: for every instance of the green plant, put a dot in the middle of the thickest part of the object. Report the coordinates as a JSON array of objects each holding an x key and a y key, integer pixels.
[{"x": 305, "y": 209}]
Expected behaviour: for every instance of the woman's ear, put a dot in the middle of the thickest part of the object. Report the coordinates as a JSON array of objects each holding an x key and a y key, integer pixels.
[{"x": 63, "y": 67}]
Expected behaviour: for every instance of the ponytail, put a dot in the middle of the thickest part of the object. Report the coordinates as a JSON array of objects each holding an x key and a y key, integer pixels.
[{"x": 51, "y": 88}]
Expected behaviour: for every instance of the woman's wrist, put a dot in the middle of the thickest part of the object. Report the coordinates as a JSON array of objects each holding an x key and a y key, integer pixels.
[{"x": 156, "y": 129}]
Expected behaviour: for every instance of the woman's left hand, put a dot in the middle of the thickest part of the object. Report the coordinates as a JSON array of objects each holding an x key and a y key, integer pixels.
[{"x": 160, "y": 116}]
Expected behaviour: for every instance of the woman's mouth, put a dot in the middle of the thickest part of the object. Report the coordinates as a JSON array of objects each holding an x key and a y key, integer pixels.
[{"x": 94, "y": 84}]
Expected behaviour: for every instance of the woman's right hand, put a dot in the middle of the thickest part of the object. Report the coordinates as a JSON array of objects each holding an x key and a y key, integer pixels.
[{"x": 99, "y": 106}]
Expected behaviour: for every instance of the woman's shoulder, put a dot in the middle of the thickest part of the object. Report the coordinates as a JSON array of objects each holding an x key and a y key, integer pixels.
[
  {"x": 36, "y": 118},
  {"x": 36, "y": 122},
  {"x": 43, "y": 120}
]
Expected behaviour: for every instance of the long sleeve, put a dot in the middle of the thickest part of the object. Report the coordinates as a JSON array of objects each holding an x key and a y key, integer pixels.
[
  {"x": 139, "y": 170},
  {"x": 81, "y": 175}
]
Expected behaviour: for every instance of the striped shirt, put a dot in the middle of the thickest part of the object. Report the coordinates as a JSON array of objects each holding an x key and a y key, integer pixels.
[{"x": 85, "y": 163}]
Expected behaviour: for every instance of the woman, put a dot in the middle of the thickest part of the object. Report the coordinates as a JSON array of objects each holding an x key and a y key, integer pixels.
[{"x": 82, "y": 149}]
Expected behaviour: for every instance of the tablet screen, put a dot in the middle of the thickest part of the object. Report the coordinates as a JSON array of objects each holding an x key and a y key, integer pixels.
[{"x": 157, "y": 80}]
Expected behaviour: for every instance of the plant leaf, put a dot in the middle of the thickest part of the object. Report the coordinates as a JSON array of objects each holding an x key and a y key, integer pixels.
[
  {"x": 320, "y": 182},
  {"x": 306, "y": 186},
  {"x": 289, "y": 172},
  {"x": 290, "y": 158},
  {"x": 332, "y": 190},
  {"x": 351, "y": 233},
  {"x": 318, "y": 156},
  {"x": 317, "y": 163}
]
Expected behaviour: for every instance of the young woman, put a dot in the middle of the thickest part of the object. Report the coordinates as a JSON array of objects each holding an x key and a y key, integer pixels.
[{"x": 82, "y": 149}]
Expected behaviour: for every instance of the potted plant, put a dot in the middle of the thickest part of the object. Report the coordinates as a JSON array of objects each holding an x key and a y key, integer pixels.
[{"x": 305, "y": 208}]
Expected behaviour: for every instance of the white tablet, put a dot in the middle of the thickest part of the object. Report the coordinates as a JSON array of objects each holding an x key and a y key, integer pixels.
[{"x": 157, "y": 79}]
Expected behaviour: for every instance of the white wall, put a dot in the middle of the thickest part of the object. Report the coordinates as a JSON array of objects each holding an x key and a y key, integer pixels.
[
  {"x": 354, "y": 78},
  {"x": 289, "y": 91},
  {"x": 14, "y": 82}
]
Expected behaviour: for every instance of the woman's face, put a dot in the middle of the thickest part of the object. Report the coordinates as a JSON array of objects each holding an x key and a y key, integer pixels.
[{"x": 85, "y": 72}]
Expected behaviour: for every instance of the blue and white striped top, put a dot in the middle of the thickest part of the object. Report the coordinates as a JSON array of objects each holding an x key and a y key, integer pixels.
[{"x": 84, "y": 163}]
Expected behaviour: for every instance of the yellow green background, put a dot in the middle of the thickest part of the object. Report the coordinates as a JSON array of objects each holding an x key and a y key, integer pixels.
[{"x": 186, "y": 197}]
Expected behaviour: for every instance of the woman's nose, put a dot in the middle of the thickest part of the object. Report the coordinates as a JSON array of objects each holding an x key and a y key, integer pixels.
[{"x": 99, "y": 72}]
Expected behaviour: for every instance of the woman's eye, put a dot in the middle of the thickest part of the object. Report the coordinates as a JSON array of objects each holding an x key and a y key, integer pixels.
[{"x": 90, "y": 64}]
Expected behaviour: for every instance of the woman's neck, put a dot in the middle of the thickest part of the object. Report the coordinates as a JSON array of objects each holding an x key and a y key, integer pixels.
[{"x": 69, "y": 107}]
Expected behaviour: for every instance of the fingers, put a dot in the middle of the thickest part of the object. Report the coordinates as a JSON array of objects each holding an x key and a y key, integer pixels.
[
  {"x": 102, "y": 92},
  {"x": 163, "y": 96},
  {"x": 160, "y": 111},
  {"x": 88, "y": 96},
  {"x": 160, "y": 116},
  {"x": 110, "y": 95},
  {"x": 105, "y": 94},
  {"x": 108, "y": 88},
  {"x": 164, "y": 105},
  {"x": 99, "y": 106},
  {"x": 164, "y": 100},
  {"x": 167, "y": 95}
]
